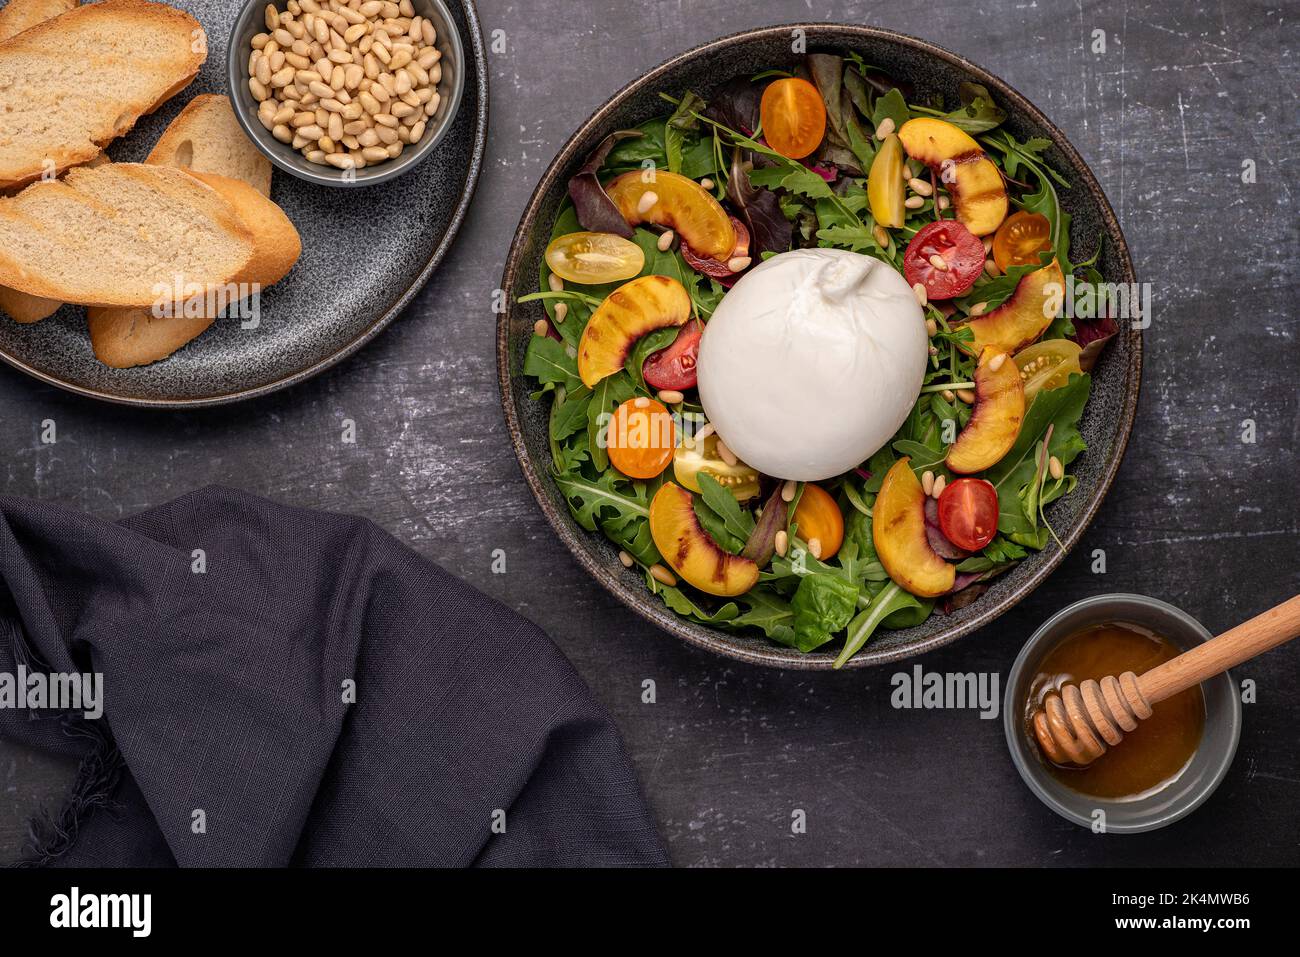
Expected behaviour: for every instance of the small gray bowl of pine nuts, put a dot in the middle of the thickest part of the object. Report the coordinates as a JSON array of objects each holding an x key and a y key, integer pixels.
[{"x": 345, "y": 92}]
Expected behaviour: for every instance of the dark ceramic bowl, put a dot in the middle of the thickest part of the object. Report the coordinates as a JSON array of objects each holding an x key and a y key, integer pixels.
[
  {"x": 1180, "y": 796},
  {"x": 1106, "y": 422},
  {"x": 250, "y": 22}
]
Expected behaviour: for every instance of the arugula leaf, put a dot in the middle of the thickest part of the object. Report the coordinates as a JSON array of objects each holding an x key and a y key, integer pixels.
[
  {"x": 678, "y": 601},
  {"x": 605, "y": 398},
  {"x": 548, "y": 361},
  {"x": 769, "y": 612},
  {"x": 601, "y": 499},
  {"x": 738, "y": 523},
  {"x": 569, "y": 412},
  {"x": 888, "y": 600},
  {"x": 822, "y": 605}
]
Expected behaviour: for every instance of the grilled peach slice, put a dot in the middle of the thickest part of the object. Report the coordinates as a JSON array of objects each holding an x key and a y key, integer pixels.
[
  {"x": 679, "y": 203},
  {"x": 973, "y": 181},
  {"x": 628, "y": 313},
  {"x": 689, "y": 550},
  {"x": 1024, "y": 316},
  {"x": 898, "y": 531},
  {"x": 995, "y": 420}
]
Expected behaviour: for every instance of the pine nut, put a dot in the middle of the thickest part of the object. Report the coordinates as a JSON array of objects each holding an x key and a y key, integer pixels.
[
  {"x": 991, "y": 268},
  {"x": 996, "y": 362},
  {"x": 647, "y": 202},
  {"x": 707, "y": 183},
  {"x": 931, "y": 327},
  {"x": 726, "y": 454},
  {"x": 978, "y": 308},
  {"x": 988, "y": 244},
  {"x": 782, "y": 542},
  {"x": 739, "y": 263},
  {"x": 927, "y": 482},
  {"x": 918, "y": 290},
  {"x": 541, "y": 327},
  {"x": 882, "y": 237},
  {"x": 626, "y": 559},
  {"x": 920, "y": 187},
  {"x": 1055, "y": 467},
  {"x": 788, "y": 490},
  {"x": 885, "y": 128},
  {"x": 938, "y": 262},
  {"x": 914, "y": 202},
  {"x": 966, "y": 395},
  {"x": 670, "y": 396},
  {"x": 815, "y": 547},
  {"x": 561, "y": 311},
  {"x": 948, "y": 395},
  {"x": 940, "y": 483},
  {"x": 555, "y": 282},
  {"x": 662, "y": 575},
  {"x": 665, "y": 241},
  {"x": 943, "y": 202},
  {"x": 705, "y": 432}
]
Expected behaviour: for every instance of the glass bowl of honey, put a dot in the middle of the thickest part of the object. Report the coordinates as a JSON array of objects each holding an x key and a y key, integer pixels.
[{"x": 1165, "y": 768}]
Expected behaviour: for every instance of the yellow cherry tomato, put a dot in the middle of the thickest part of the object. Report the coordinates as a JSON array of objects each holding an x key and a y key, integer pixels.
[
  {"x": 1020, "y": 238},
  {"x": 793, "y": 116},
  {"x": 885, "y": 186},
  {"x": 818, "y": 517},
  {"x": 690, "y": 460},
  {"x": 594, "y": 258},
  {"x": 1047, "y": 365},
  {"x": 640, "y": 438}
]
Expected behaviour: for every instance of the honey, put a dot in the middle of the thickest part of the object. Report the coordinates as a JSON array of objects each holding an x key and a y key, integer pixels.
[{"x": 1160, "y": 748}]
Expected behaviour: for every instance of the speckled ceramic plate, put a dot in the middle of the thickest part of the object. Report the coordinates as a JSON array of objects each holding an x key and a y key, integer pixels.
[
  {"x": 365, "y": 253},
  {"x": 1107, "y": 420}
]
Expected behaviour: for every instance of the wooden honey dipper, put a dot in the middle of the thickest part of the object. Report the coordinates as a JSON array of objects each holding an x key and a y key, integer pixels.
[{"x": 1075, "y": 725}]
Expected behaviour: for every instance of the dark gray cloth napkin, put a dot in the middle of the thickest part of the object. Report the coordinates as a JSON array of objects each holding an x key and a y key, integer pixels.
[{"x": 224, "y": 694}]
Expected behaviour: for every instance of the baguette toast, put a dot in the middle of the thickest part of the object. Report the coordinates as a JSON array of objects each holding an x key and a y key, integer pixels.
[
  {"x": 18, "y": 15},
  {"x": 70, "y": 85},
  {"x": 131, "y": 337},
  {"x": 109, "y": 235}
]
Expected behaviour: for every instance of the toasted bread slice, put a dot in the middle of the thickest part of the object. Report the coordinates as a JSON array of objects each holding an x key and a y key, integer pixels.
[
  {"x": 70, "y": 85},
  {"x": 123, "y": 338},
  {"x": 110, "y": 235},
  {"x": 206, "y": 138},
  {"x": 19, "y": 15}
]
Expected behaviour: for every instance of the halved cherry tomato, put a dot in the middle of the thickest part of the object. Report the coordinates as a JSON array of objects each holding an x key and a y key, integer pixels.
[
  {"x": 1020, "y": 238},
  {"x": 961, "y": 252},
  {"x": 594, "y": 258},
  {"x": 692, "y": 458},
  {"x": 719, "y": 268},
  {"x": 1047, "y": 365},
  {"x": 968, "y": 513},
  {"x": 793, "y": 116},
  {"x": 818, "y": 517},
  {"x": 673, "y": 367},
  {"x": 640, "y": 438},
  {"x": 885, "y": 182}
]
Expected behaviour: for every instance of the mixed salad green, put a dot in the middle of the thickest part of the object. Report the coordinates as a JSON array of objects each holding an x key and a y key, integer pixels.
[{"x": 748, "y": 147}]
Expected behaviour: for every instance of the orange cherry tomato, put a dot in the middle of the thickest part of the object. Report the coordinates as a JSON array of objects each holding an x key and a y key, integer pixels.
[
  {"x": 1020, "y": 238},
  {"x": 641, "y": 438},
  {"x": 819, "y": 517},
  {"x": 793, "y": 117}
]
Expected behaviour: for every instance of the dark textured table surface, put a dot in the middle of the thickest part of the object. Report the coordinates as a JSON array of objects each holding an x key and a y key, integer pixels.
[{"x": 1168, "y": 115}]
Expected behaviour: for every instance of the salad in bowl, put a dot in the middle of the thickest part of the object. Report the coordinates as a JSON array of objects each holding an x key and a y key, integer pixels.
[{"x": 805, "y": 356}]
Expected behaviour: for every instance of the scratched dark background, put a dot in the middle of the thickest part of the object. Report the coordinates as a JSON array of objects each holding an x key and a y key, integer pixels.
[{"x": 1183, "y": 95}]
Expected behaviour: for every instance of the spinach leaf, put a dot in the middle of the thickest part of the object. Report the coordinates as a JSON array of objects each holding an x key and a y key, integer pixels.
[
  {"x": 891, "y": 105},
  {"x": 738, "y": 523},
  {"x": 822, "y": 606}
]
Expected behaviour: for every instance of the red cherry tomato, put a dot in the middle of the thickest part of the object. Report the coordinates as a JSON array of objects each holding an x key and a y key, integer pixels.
[
  {"x": 968, "y": 513},
  {"x": 961, "y": 252},
  {"x": 716, "y": 268},
  {"x": 673, "y": 367}
]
